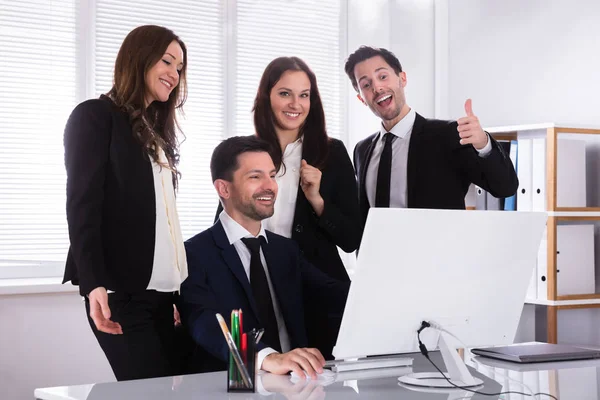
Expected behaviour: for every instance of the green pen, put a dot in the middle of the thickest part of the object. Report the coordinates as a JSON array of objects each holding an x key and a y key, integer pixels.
[
  {"x": 232, "y": 376},
  {"x": 235, "y": 334}
]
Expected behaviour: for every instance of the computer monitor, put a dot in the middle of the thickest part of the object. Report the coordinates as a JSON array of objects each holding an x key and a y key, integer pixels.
[{"x": 466, "y": 271}]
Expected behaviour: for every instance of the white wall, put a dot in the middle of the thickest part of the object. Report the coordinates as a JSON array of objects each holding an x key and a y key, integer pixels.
[
  {"x": 405, "y": 27},
  {"x": 45, "y": 340},
  {"x": 528, "y": 62},
  {"x": 525, "y": 61}
]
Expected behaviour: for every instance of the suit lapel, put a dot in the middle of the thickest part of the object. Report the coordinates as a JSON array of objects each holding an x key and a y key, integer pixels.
[
  {"x": 363, "y": 172},
  {"x": 414, "y": 148},
  {"x": 232, "y": 259}
]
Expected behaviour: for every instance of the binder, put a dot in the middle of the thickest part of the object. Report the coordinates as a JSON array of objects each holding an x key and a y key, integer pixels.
[
  {"x": 542, "y": 268},
  {"x": 524, "y": 173},
  {"x": 575, "y": 259},
  {"x": 491, "y": 202},
  {"x": 538, "y": 171},
  {"x": 470, "y": 197},
  {"x": 571, "y": 173},
  {"x": 510, "y": 204},
  {"x": 480, "y": 198},
  {"x": 494, "y": 203}
]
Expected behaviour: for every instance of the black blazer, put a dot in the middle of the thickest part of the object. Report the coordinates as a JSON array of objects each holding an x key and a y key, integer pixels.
[
  {"x": 217, "y": 282},
  {"x": 440, "y": 169},
  {"x": 111, "y": 206},
  {"x": 339, "y": 224}
]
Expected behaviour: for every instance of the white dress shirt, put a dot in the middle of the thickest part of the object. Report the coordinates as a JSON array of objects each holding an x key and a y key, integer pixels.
[
  {"x": 235, "y": 232},
  {"x": 282, "y": 220},
  {"x": 400, "y": 145},
  {"x": 169, "y": 268}
]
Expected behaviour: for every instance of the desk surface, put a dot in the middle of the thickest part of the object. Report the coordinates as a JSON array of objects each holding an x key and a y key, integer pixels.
[{"x": 567, "y": 380}]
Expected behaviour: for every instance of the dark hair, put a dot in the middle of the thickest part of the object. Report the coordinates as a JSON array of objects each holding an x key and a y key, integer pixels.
[
  {"x": 224, "y": 160},
  {"x": 315, "y": 145},
  {"x": 364, "y": 53},
  {"x": 154, "y": 126}
]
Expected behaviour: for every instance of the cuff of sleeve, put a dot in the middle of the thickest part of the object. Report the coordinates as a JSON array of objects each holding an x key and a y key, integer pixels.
[
  {"x": 262, "y": 355},
  {"x": 487, "y": 149}
]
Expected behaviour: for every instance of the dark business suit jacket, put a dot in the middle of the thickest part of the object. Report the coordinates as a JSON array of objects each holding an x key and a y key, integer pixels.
[
  {"x": 111, "y": 206},
  {"x": 339, "y": 224},
  {"x": 217, "y": 283},
  {"x": 440, "y": 169}
]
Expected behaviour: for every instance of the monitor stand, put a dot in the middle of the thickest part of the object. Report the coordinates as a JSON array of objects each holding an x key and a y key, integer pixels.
[{"x": 457, "y": 371}]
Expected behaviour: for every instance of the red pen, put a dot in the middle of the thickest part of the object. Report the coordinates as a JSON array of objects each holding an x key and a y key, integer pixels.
[
  {"x": 241, "y": 322},
  {"x": 244, "y": 347}
]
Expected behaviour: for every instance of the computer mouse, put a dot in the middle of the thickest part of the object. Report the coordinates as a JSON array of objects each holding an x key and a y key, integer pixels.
[{"x": 325, "y": 375}]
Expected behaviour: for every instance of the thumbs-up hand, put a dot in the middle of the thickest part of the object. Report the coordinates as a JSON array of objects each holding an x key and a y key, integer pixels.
[
  {"x": 469, "y": 129},
  {"x": 310, "y": 182}
]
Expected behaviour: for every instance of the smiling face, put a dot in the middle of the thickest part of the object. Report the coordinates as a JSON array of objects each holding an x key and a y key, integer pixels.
[
  {"x": 290, "y": 101},
  {"x": 163, "y": 77},
  {"x": 382, "y": 90},
  {"x": 250, "y": 196}
]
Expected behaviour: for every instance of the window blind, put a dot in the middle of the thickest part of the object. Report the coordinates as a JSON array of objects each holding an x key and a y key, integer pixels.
[
  {"x": 38, "y": 76},
  {"x": 267, "y": 29},
  {"x": 200, "y": 25}
]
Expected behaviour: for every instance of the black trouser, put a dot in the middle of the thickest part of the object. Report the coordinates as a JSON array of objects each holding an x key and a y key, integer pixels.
[{"x": 147, "y": 348}]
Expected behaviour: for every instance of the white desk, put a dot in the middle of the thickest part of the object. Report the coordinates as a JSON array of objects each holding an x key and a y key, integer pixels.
[{"x": 568, "y": 380}]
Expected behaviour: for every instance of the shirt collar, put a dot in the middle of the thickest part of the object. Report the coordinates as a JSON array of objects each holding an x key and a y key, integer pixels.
[
  {"x": 403, "y": 127},
  {"x": 234, "y": 231},
  {"x": 294, "y": 146}
]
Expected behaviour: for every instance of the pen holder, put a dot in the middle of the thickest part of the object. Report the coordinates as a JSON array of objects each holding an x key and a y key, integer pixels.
[{"x": 235, "y": 378}]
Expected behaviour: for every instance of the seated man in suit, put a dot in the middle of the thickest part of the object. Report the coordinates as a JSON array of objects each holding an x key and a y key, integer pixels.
[
  {"x": 415, "y": 162},
  {"x": 237, "y": 264}
]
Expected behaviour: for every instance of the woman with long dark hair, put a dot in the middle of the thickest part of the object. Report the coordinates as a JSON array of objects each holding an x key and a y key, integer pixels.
[
  {"x": 127, "y": 253},
  {"x": 317, "y": 203}
]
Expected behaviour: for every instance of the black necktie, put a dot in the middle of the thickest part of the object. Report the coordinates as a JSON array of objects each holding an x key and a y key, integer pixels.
[
  {"x": 384, "y": 173},
  {"x": 262, "y": 294}
]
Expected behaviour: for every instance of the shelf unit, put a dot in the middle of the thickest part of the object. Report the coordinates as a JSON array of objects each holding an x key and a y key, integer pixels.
[{"x": 556, "y": 214}]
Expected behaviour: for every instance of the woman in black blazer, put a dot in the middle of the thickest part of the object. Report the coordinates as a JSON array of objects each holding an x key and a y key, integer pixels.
[
  {"x": 317, "y": 204},
  {"x": 126, "y": 253}
]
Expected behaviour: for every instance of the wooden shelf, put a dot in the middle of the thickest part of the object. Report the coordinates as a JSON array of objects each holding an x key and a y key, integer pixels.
[
  {"x": 556, "y": 214},
  {"x": 574, "y": 215},
  {"x": 567, "y": 297},
  {"x": 591, "y": 216},
  {"x": 577, "y": 130},
  {"x": 566, "y": 304},
  {"x": 578, "y": 209}
]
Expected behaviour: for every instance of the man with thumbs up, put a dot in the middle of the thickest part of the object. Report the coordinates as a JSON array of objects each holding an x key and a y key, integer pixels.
[{"x": 415, "y": 162}]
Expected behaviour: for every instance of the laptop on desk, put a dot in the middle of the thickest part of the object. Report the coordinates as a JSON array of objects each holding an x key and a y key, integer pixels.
[{"x": 537, "y": 352}]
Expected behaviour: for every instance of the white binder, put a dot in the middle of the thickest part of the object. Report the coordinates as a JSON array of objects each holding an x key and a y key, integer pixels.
[
  {"x": 542, "y": 268},
  {"x": 575, "y": 259},
  {"x": 538, "y": 170},
  {"x": 570, "y": 174},
  {"x": 524, "y": 173},
  {"x": 480, "y": 198}
]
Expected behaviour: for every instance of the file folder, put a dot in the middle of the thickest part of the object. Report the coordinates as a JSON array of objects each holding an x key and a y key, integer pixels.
[
  {"x": 480, "y": 198},
  {"x": 524, "y": 173},
  {"x": 571, "y": 173},
  {"x": 539, "y": 175},
  {"x": 575, "y": 259},
  {"x": 510, "y": 204},
  {"x": 542, "y": 268}
]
